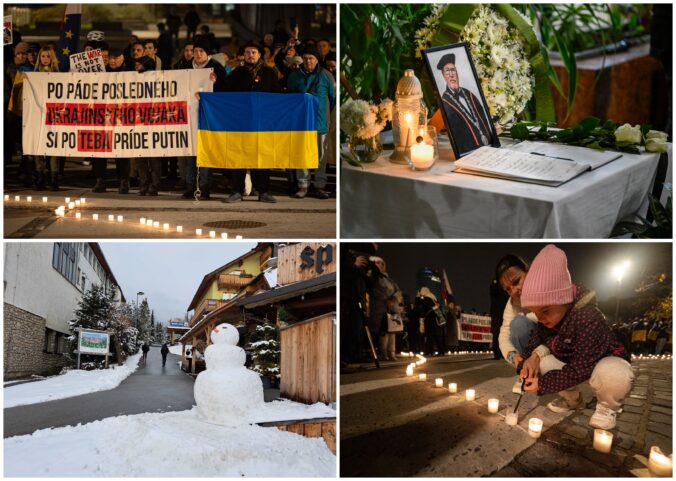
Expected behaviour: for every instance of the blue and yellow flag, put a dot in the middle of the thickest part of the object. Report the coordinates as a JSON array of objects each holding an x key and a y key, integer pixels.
[
  {"x": 255, "y": 130},
  {"x": 69, "y": 37}
]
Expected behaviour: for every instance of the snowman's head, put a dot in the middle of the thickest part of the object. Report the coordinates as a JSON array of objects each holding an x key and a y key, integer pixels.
[{"x": 225, "y": 334}]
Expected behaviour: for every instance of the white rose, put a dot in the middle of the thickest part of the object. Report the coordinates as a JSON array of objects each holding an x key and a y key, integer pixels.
[
  {"x": 628, "y": 134},
  {"x": 656, "y": 134},
  {"x": 656, "y": 145}
]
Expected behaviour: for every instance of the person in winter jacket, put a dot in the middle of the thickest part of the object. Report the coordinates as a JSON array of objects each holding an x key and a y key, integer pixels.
[
  {"x": 386, "y": 299},
  {"x": 164, "y": 351},
  {"x": 581, "y": 343},
  {"x": 145, "y": 348}
]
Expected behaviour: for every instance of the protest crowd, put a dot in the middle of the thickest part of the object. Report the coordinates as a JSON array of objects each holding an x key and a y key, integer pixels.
[{"x": 280, "y": 61}]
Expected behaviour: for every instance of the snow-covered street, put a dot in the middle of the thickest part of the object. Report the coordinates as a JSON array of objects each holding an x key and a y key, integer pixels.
[{"x": 176, "y": 444}]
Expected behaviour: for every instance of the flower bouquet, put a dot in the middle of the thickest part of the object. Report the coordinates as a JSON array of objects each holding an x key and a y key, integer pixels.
[{"x": 362, "y": 122}]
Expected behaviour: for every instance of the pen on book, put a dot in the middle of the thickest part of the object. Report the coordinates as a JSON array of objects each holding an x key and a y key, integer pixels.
[{"x": 551, "y": 156}]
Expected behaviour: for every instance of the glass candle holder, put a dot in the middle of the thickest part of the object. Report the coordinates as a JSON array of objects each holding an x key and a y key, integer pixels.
[{"x": 424, "y": 153}]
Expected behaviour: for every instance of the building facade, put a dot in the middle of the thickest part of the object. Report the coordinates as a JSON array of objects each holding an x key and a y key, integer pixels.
[{"x": 43, "y": 283}]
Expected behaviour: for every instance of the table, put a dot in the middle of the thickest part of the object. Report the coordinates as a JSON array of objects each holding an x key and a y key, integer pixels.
[{"x": 386, "y": 200}]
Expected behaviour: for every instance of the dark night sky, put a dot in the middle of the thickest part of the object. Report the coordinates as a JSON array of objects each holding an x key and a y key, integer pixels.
[{"x": 470, "y": 266}]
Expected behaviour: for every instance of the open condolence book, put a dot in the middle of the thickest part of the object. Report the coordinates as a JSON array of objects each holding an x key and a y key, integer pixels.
[{"x": 533, "y": 162}]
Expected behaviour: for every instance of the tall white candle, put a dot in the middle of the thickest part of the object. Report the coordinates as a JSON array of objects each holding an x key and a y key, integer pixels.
[
  {"x": 493, "y": 405},
  {"x": 470, "y": 394},
  {"x": 512, "y": 418},
  {"x": 603, "y": 440},
  {"x": 659, "y": 464},
  {"x": 452, "y": 388},
  {"x": 535, "y": 427},
  {"x": 438, "y": 382}
]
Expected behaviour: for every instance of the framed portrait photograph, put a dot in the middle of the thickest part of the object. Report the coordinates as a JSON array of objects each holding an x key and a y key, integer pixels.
[{"x": 460, "y": 98}]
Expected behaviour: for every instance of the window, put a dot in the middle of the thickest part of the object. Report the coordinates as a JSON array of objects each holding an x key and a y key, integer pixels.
[
  {"x": 55, "y": 342},
  {"x": 65, "y": 259}
]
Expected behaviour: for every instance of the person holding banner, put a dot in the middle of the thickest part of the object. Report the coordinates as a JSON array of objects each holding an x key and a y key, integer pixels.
[
  {"x": 582, "y": 344},
  {"x": 252, "y": 76},
  {"x": 47, "y": 62}
]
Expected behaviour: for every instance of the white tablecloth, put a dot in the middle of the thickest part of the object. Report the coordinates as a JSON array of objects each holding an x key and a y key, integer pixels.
[{"x": 386, "y": 200}]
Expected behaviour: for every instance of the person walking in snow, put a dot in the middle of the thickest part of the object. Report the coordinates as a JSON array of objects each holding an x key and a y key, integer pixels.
[
  {"x": 164, "y": 351},
  {"x": 145, "y": 348}
]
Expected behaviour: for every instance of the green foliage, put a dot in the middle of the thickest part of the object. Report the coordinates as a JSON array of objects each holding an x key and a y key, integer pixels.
[
  {"x": 641, "y": 228},
  {"x": 265, "y": 355}
]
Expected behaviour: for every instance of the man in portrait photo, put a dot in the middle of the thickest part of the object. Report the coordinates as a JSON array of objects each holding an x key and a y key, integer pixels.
[{"x": 464, "y": 112}]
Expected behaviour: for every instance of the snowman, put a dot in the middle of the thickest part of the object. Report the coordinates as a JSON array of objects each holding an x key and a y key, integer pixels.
[{"x": 227, "y": 393}]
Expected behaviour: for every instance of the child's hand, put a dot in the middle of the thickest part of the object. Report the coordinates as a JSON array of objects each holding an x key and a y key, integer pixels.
[
  {"x": 531, "y": 367},
  {"x": 531, "y": 385}
]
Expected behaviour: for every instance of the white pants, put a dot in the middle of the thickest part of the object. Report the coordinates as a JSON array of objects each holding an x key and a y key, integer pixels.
[
  {"x": 611, "y": 380},
  {"x": 387, "y": 344}
]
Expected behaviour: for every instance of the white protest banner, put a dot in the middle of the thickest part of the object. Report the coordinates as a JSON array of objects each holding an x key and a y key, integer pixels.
[
  {"x": 474, "y": 328},
  {"x": 108, "y": 115},
  {"x": 7, "y": 36},
  {"x": 89, "y": 61}
]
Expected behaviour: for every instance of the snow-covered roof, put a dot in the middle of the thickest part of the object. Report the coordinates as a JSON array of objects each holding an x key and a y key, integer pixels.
[{"x": 271, "y": 277}]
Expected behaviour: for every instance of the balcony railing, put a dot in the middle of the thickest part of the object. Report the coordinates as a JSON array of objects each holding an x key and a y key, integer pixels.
[
  {"x": 233, "y": 281},
  {"x": 207, "y": 305}
]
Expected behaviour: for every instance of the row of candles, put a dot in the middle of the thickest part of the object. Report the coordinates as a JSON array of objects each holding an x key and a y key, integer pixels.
[
  {"x": 449, "y": 353},
  {"x": 658, "y": 463},
  {"x": 74, "y": 203},
  {"x": 651, "y": 356}
]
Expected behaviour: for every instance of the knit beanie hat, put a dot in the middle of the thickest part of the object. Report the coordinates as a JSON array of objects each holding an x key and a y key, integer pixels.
[{"x": 548, "y": 280}]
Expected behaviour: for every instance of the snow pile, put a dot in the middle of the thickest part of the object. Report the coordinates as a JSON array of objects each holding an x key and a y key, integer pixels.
[
  {"x": 73, "y": 383},
  {"x": 176, "y": 444},
  {"x": 285, "y": 410},
  {"x": 177, "y": 349},
  {"x": 227, "y": 393}
]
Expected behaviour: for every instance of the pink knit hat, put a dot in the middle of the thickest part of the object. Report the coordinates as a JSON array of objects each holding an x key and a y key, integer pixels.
[{"x": 548, "y": 280}]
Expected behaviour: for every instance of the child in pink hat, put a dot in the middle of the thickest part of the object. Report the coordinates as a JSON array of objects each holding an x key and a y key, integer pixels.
[{"x": 582, "y": 345}]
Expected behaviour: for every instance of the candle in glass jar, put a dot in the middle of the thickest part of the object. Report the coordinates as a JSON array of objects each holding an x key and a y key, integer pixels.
[
  {"x": 111, "y": 218},
  {"x": 438, "y": 382},
  {"x": 535, "y": 427},
  {"x": 120, "y": 218},
  {"x": 44, "y": 200},
  {"x": 224, "y": 235},
  {"x": 198, "y": 231},
  {"x": 77, "y": 203},
  {"x": 95, "y": 216},
  {"x": 83, "y": 200},
  {"x": 512, "y": 418},
  {"x": 156, "y": 223},
  {"x": 603, "y": 440},
  {"x": 71, "y": 205},
  {"x": 78, "y": 216},
  {"x": 422, "y": 376},
  {"x": 238, "y": 237},
  {"x": 452, "y": 388},
  {"x": 422, "y": 156},
  {"x": 470, "y": 394},
  {"x": 409, "y": 370},
  {"x": 493, "y": 405},
  {"x": 659, "y": 464},
  {"x": 67, "y": 200},
  {"x": 17, "y": 198},
  {"x": 29, "y": 199},
  {"x": 165, "y": 226},
  {"x": 212, "y": 234},
  {"x": 143, "y": 221},
  {"x": 179, "y": 228},
  {"x": 6, "y": 197}
]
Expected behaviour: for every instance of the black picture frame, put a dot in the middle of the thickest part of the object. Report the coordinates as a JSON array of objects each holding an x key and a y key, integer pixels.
[{"x": 468, "y": 127}]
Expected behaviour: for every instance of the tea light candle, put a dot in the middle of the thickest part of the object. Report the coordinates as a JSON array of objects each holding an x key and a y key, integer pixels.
[
  {"x": 198, "y": 231},
  {"x": 77, "y": 203},
  {"x": 165, "y": 226},
  {"x": 409, "y": 370},
  {"x": 44, "y": 200},
  {"x": 71, "y": 205},
  {"x": 422, "y": 156},
  {"x": 535, "y": 427},
  {"x": 438, "y": 382},
  {"x": 224, "y": 235},
  {"x": 17, "y": 198},
  {"x": 78, "y": 215},
  {"x": 470, "y": 394},
  {"x": 453, "y": 388},
  {"x": 239, "y": 237},
  {"x": 142, "y": 221},
  {"x": 422, "y": 376},
  {"x": 120, "y": 218},
  {"x": 493, "y": 405},
  {"x": 29, "y": 199},
  {"x": 212, "y": 234},
  {"x": 67, "y": 200},
  {"x": 603, "y": 440},
  {"x": 111, "y": 218},
  {"x": 7, "y": 197},
  {"x": 659, "y": 464},
  {"x": 83, "y": 200},
  {"x": 156, "y": 223},
  {"x": 95, "y": 216},
  {"x": 512, "y": 418},
  {"x": 179, "y": 228}
]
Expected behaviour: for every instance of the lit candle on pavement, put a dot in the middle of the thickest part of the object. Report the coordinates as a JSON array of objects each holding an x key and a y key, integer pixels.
[
  {"x": 493, "y": 405},
  {"x": 165, "y": 226},
  {"x": 67, "y": 200},
  {"x": 453, "y": 388},
  {"x": 422, "y": 376},
  {"x": 535, "y": 427},
  {"x": 512, "y": 418},
  {"x": 95, "y": 216},
  {"x": 120, "y": 218},
  {"x": 198, "y": 231},
  {"x": 212, "y": 234},
  {"x": 77, "y": 203},
  {"x": 659, "y": 464},
  {"x": 156, "y": 223},
  {"x": 142, "y": 221},
  {"x": 6, "y": 197},
  {"x": 17, "y": 198},
  {"x": 224, "y": 235},
  {"x": 470, "y": 394},
  {"x": 409, "y": 370},
  {"x": 179, "y": 228},
  {"x": 438, "y": 382},
  {"x": 44, "y": 200},
  {"x": 603, "y": 440},
  {"x": 78, "y": 216},
  {"x": 71, "y": 205},
  {"x": 83, "y": 200},
  {"x": 239, "y": 237},
  {"x": 29, "y": 199}
]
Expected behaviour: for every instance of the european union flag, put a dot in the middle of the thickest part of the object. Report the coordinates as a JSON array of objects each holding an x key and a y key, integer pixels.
[
  {"x": 69, "y": 38},
  {"x": 257, "y": 130}
]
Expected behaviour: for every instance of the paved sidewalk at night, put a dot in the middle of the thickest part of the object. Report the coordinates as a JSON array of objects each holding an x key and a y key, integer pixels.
[{"x": 392, "y": 425}]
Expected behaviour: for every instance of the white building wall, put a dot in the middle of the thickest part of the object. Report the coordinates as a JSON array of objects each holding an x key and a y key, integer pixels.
[{"x": 33, "y": 284}]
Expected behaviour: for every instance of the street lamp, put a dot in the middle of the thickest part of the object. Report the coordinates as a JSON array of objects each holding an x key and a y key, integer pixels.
[{"x": 618, "y": 273}]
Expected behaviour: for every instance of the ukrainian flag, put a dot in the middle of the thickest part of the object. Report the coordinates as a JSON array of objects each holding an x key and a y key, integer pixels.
[{"x": 255, "y": 130}]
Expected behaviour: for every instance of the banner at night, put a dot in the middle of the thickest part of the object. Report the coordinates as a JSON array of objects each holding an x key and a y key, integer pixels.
[
  {"x": 110, "y": 115},
  {"x": 474, "y": 328}
]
